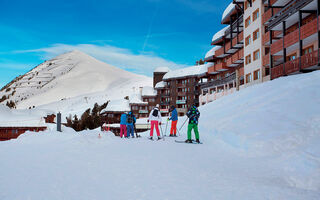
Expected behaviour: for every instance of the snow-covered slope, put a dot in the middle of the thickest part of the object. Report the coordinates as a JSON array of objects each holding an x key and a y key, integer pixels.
[
  {"x": 262, "y": 142},
  {"x": 70, "y": 75}
]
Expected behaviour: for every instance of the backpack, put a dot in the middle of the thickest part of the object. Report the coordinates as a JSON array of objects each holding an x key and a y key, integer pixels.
[
  {"x": 130, "y": 119},
  {"x": 155, "y": 112}
]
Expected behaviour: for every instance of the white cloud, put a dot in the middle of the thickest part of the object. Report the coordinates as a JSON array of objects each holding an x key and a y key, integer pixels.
[{"x": 119, "y": 57}]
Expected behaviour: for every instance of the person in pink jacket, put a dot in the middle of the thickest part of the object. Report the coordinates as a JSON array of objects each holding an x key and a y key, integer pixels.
[{"x": 155, "y": 119}]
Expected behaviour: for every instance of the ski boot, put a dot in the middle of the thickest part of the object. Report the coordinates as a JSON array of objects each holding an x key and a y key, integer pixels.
[
  {"x": 159, "y": 138},
  {"x": 150, "y": 138},
  {"x": 188, "y": 141},
  {"x": 197, "y": 141}
]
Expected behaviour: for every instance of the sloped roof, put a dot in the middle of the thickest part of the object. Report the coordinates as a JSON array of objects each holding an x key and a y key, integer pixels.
[{"x": 198, "y": 70}]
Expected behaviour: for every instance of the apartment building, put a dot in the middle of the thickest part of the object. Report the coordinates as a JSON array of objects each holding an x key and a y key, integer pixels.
[
  {"x": 180, "y": 88},
  {"x": 226, "y": 73},
  {"x": 253, "y": 47},
  {"x": 291, "y": 36}
]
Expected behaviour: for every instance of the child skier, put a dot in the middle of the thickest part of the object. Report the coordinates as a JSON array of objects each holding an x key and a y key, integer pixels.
[
  {"x": 123, "y": 127},
  {"x": 155, "y": 118},
  {"x": 193, "y": 115},
  {"x": 131, "y": 119},
  {"x": 174, "y": 118}
]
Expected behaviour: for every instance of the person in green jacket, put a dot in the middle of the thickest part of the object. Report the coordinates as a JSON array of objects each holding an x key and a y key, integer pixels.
[{"x": 193, "y": 114}]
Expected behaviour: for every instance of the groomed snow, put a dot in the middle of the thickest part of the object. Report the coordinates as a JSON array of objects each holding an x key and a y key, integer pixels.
[
  {"x": 219, "y": 34},
  {"x": 260, "y": 143},
  {"x": 198, "y": 70}
]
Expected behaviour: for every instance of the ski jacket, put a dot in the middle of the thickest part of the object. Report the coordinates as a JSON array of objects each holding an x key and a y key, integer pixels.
[
  {"x": 193, "y": 115},
  {"x": 174, "y": 115},
  {"x": 155, "y": 118},
  {"x": 133, "y": 118},
  {"x": 123, "y": 119}
]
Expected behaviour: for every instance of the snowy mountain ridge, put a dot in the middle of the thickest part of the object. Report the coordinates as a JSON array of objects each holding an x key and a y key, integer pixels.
[{"x": 67, "y": 76}]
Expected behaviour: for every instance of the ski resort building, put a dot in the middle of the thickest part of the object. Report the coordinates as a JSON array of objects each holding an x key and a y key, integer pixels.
[
  {"x": 180, "y": 88},
  {"x": 291, "y": 36},
  {"x": 262, "y": 40},
  {"x": 226, "y": 73}
]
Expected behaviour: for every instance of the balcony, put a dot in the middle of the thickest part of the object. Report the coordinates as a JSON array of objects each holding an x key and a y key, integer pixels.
[
  {"x": 212, "y": 70},
  {"x": 181, "y": 85},
  {"x": 182, "y": 110},
  {"x": 216, "y": 83},
  {"x": 236, "y": 44},
  {"x": 164, "y": 110},
  {"x": 292, "y": 38},
  {"x": 307, "y": 61},
  {"x": 143, "y": 111},
  {"x": 181, "y": 93},
  {"x": 266, "y": 60},
  {"x": 181, "y": 101},
  {"x": 165, "y": 103},
  {"x": 235, "y": 59},
  {"x": 220, "y": 67},
  {"x": 266, "y": 37},
  {"x": 268, "y": 14}
]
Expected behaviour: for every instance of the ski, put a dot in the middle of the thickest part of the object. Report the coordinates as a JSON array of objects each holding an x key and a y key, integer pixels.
[{"x": 193, "y": 142}]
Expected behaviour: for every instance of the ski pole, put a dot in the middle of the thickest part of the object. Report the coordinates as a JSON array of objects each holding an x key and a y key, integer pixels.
[
  {"x": 161, "y": 131},
  {"x": 165, "y": 133},
  {"x": 182, "y": 126}
]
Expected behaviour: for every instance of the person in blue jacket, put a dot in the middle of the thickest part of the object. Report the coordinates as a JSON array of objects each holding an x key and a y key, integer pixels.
[
  {"x": 174, "y": 118},
  {"x": 131, "y": 120},
  {"x": 123, "y": 125}
]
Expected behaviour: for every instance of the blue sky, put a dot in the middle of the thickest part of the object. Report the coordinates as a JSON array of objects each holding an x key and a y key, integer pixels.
[{"x": 141, "y": 34}]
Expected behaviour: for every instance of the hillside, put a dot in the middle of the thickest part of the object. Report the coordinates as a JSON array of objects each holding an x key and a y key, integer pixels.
[
  {"x": 70, "y": 75},
  {"x": 262, "y": 142}
]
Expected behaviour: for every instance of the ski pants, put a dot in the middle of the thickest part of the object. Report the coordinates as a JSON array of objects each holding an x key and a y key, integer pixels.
[
  {"x": 195, "y": 129},
  {"x": 154, "y": 124},
  {"x": 123, "y": 130},
  {"x": 130, "y": 129},
  {"x": 173, "y": 129}
]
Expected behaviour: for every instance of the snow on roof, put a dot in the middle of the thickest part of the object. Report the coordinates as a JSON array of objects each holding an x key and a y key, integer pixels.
[
  {"x": 136, "y": 99},
  {"x": 19, "y": 118},
  {"x": 212, "y": 51},
  {"x": 148, "y": 91},
  {"x": 231, "y": 7},
  {"x": 198, "y": 70},
  {"x": 219, "y": 34},
  {"x": 162, "y": 69},
  {"x": 161, "y": 84},
  {"x": 121, "y": 105}
]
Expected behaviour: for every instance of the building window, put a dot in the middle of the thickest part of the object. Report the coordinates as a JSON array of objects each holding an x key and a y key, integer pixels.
[
  {"x": 256, "y": 75},
  {"x": 248, "y": 59},
  {"x": 248, "y": 21},
  {"x": 256, "y": 34},
  {"x": 248, "y": 40},
  {"x": 307, "y": 50},
  {"x": 256, "y": 55},
  {"x": 292, "y": 57},
  {"x": 255, "y": 15},
  {"x": 248, "y": 78}
]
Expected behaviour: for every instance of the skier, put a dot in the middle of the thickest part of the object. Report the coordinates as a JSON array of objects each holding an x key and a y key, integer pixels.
[
  {"x": 174, "y": 118},
  {"x": 193, "y": 114},
  {"x": 123, "y": 125},
  {"x": 155, "y": 118},
  {"x": 131, "y": 119}
]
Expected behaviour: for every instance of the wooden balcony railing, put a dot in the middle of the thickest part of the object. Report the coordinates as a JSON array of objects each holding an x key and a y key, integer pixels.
[{"x": 292, "y": 66}]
